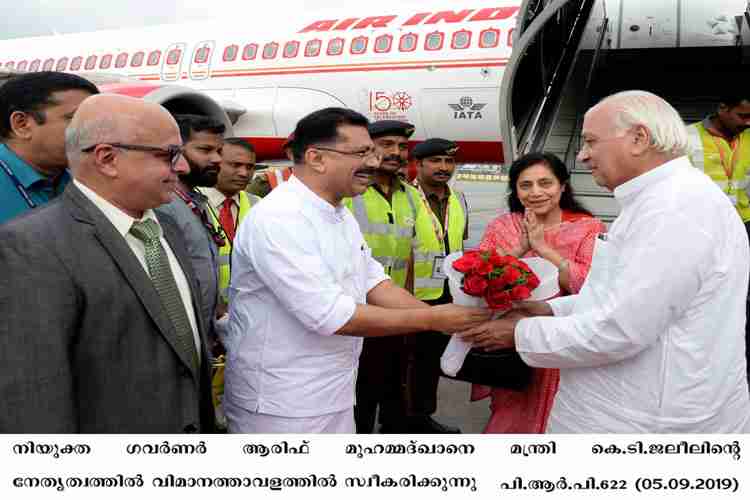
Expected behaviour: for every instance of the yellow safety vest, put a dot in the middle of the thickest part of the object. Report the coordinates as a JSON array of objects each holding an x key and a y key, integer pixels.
[
  {"x": 714, "y": 155},
  {"x": 388, "y": 228},
  {"x": 225, "y": 252},
  {"x": 431, "y": 244}
]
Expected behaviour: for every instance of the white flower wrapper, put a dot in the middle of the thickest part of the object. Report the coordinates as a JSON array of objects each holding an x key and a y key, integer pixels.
[{"x": 455, "y": 353}]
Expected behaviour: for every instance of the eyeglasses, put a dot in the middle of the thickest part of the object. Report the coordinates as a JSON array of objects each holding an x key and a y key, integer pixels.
[
  {"x": 362, "y": 155},
  {"x": 172, "y": 151}
]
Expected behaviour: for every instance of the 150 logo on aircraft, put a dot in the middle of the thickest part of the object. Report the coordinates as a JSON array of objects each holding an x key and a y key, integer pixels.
[
  {"x": 467, "y": 109},
  {"x": 389, "y": 106}
]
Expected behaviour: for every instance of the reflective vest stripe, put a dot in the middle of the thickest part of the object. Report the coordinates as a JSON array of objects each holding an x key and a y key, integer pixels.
[
  {"x": 428, "y": 247},
  {"x": 224, "y": 259},
  {"x": 705, "y": 156},
  {"x": 387, "y": 227}
]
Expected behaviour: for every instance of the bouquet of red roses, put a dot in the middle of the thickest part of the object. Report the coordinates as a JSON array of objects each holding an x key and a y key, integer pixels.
[{"x": 498, "y": 279}]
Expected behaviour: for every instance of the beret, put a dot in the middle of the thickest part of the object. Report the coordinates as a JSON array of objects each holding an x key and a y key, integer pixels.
[
  {"x": 434, "y": 147},
  {"x": 390, "y": 127}
]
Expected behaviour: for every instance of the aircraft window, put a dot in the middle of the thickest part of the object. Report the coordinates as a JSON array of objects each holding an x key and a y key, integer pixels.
[
  {"x": 434, "y": 41},
  {"x": 230, "y": 53},
  {"x": 106, "y": 62},
  {"x": 34, "y": 66},
  {"x": 291, "y": 49},
  {"x": 90, "y": 62},
  {"x": 62, "y": 64},
  {"x": 312, "y": 48},
  {"x": 201, "y": 55},
  {"x": 154, "y": 57},
  {"x": 461, "y": 39},
  {"x": 75, "y": 64},
  {"x": 335, "y": 47},
  {"x": 510, "y": 37},
  {"x": 48, "y": 65},
  {"x": 122, "y": 60},
  {"x": 359, "y": 45},
  {"x": 22, "y": 65},
  {"x": 174, "y": 56},
  {"x": 250, "y": 51},
  {"x": 489, "y": 38},
  {"x": 383, "y": 43},
  {"x": 137, "y": 59},
  {"x": 270, "y": 50},
  {"x": 408, "y": 42}
]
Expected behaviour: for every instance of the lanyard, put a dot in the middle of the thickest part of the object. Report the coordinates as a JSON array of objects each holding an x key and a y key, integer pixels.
[
  {"x": 18, "y": 184},
  {"x": 217, "y": 236},
  {"x": 728, "y": 166},
  {"x": 440, "y": 230}
]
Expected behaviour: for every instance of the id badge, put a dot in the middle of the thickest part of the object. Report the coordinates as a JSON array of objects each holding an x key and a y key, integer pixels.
[{"x": 437, "y": 268}]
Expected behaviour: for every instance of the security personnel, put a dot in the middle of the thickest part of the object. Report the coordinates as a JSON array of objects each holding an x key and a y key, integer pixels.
[
  {"x": 387, "y": 212},
  {"x": 228, "y": 202},
  {"x": 441, "y": 232},
  {"x": 267, "y": 181},
  {"x": 720, "y": 146}
]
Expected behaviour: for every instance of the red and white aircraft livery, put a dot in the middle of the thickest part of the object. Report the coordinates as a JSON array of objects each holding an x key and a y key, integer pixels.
[{"x": 440, "y": 69}]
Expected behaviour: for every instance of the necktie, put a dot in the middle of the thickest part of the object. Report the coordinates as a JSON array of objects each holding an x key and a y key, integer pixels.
[
  {"x": 226, "y": 219},
  {"x": 161, "y": 275}
]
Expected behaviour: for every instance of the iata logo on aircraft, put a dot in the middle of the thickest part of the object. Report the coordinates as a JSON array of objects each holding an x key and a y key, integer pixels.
[{"x": 467, "y": 109}]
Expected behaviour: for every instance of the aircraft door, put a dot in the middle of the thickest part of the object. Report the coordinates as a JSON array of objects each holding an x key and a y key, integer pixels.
[
  {"x": 171, "y": 68},
  {"x": 200, "y": 62}
]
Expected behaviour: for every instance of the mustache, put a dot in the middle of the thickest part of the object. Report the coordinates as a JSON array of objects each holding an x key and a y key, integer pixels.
[
  {"x": 395, "y": 158},
  {"x": 366, "y": 171}
]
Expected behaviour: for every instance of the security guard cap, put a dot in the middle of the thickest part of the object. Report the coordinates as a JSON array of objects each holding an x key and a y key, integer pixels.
[
  {"x": 390, "y": 127},
  {"x": 434, "y": 147}
]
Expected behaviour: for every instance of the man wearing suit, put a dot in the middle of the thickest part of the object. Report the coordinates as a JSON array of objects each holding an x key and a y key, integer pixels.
[{"x": 100, "y": 331}]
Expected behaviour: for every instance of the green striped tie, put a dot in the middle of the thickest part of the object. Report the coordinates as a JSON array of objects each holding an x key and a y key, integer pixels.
[{"x": 161, "y": 275}]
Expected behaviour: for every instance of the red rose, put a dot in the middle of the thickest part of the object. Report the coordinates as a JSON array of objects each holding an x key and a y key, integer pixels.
[
  {"x": 532, "y": 281},
  {"x": 511, "y": 274},
  {"x": 523, "y": 266},
  {"x": 520, "y": 292},
  {"x": 467, "y": 262},
  {"x": 484, "y": 268},
  {"x": 475, "y": 285},
  {"x": 498, "y": 299}
]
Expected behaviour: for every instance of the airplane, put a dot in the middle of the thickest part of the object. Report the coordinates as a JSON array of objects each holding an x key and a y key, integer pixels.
[{"x": 442, "y": 69}]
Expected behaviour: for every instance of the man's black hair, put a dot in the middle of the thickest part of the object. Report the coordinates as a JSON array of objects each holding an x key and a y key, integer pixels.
[
  {"x": 732, "y": 97},
  {"x": 242, "y": 143},
  {"x": 321, "y": 127},
  {"x": 190, "y": 124},
  {"x": 32, "y": 93}
]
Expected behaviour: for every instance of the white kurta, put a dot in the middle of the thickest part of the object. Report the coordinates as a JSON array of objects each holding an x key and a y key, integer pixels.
[
  {"x": 655, "y": 340},
  {"x": 299, "y": 268}
]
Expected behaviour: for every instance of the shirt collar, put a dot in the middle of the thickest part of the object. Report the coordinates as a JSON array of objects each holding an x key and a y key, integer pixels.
[
  {"x": 628, "y": 191},
  {"x": 216, "y": 198},
  {"x": 335, "y": 213},
  {"x": 25, "y": 173},
  {"x": 122, "y": 221}
]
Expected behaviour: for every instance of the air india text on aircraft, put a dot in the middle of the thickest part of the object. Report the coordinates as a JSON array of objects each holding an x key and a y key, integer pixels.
[{"x": 447, "y": 16}]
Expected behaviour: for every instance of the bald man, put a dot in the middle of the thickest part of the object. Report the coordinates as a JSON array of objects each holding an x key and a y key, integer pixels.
[{"x": 100, "y": 331}]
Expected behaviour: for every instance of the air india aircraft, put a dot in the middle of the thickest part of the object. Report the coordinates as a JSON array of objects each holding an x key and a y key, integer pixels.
[{"x": 440, "y": 69}]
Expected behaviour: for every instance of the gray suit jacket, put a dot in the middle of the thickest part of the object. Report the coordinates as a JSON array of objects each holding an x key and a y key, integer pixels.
[{"x": 85, "y": 344}]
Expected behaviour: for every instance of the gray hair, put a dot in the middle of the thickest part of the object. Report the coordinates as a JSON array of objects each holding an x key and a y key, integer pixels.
[
  {"x": 82, "y": 135},
  {"x": 638, "y": 107}
]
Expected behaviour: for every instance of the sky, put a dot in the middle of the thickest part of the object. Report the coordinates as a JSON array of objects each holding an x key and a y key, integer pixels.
[{"x": 46, "y": 17}]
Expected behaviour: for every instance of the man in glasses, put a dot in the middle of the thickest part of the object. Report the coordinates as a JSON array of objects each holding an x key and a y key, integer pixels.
[
  {"x": 35, "y": 108},
  {"x": 305, "y": 289},
  {"x": 202, "y": 142},
  {"x": 101, "y": 331}
]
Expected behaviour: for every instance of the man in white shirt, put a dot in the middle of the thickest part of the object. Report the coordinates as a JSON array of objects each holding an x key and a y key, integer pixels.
[
  {"x": 654, "y": 341},
  {"x": 101, "y": 331},
  {"x": 305, "y": 289}
]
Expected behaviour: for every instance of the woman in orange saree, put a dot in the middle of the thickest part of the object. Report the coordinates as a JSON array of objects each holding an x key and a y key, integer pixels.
[{"x": 544, "y": 221}]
